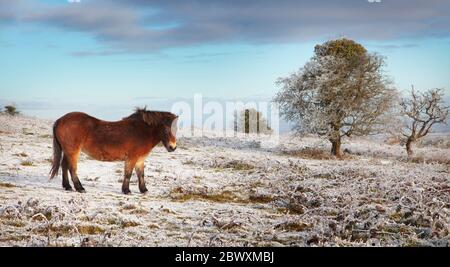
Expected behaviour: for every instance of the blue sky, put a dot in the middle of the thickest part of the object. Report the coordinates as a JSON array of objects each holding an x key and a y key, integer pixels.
[{"x": 131, "y": 51}]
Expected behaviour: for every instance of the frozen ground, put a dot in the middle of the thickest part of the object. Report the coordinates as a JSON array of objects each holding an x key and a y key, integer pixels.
[{"x": 214, "y": 191}]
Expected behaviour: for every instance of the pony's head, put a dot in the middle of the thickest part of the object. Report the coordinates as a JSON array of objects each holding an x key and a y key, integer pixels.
[
  {"x": 165, "y": 123},
  {"x": 168, "y": 132}
]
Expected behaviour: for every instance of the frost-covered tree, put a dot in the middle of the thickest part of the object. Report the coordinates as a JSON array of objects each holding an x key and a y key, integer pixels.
[
  {"x": 342, "y": 91},
  {"x": 251, "y": 121},
  {"x": 422, "y": 111}
]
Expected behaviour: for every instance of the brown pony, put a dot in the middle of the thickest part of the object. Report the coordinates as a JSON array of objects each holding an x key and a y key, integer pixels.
[{"x": 129, "y": 140}]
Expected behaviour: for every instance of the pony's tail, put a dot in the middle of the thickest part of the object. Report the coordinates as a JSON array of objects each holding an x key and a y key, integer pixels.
[{"x": 57, "y": 154}]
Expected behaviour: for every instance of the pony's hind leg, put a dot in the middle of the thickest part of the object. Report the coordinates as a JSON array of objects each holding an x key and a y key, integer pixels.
[
  {"x": 73, "y": 163},
  {"x": 65, "y": 174}
]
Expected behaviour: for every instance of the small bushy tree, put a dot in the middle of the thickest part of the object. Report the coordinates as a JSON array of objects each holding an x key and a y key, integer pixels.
[
  {"x": 11, "y": 110},
  {"x": 342, "y": 91},
  {"x": 421, "y": 111}
]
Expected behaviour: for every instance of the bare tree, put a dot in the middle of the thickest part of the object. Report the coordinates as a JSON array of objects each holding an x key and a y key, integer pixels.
[
  {"x": 251, "y": 121},
  {"x": 422, "y": 111},
  {"x": 342, "y": 91}
]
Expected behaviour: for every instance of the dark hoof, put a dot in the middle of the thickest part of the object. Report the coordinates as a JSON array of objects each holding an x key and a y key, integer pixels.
[
  {"x": 126, "y": 191},
  {"x": 143, "y": 191},
  {"x": 81, "y": 190},
  {"x": 68, "y": 188}
]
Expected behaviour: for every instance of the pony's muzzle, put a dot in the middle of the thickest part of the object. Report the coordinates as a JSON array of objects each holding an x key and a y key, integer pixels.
[{"x": 172, "y": 147}]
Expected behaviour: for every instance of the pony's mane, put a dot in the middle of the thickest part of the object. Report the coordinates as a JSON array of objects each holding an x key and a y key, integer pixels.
[{"x": 151, "y": 117}]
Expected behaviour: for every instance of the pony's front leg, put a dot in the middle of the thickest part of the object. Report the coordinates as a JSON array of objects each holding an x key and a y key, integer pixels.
[
  {"x": 128, "y": 172},
  {"x": 140, "y": 174}
]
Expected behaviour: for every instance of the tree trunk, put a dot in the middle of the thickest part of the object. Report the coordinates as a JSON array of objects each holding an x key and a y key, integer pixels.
[
  {"x": 336, "y": 147},
  {"x": 409, "y": 144}
]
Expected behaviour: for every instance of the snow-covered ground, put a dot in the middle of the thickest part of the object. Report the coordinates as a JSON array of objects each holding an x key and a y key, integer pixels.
[{"x": 215, "y": 191}]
